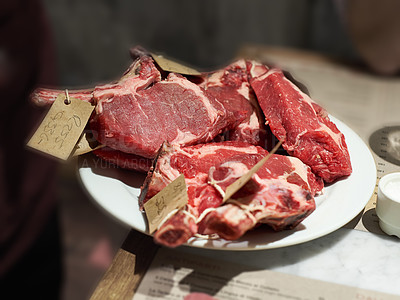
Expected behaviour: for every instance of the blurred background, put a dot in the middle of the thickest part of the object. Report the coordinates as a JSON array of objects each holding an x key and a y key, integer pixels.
[
  {"x": 82, "y": 43},
  {"x": 93, "y": 37}
]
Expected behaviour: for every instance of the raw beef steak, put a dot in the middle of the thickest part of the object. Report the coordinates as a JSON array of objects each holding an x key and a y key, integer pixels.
[
  {"x": 282, "y": 190},
  {"x": 280, "y": 195},
  {"x": 141, "y": 111},
  {"x": 231, "y": 87},
  {"x": 302, "y": 125}
]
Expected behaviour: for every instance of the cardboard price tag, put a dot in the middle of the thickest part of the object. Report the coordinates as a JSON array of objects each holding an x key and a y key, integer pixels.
[
  {"x": 87, "y": 143},
  {"x": 240, "y": 182},
  {"x": 173, "y": 66},
  {"x": 62, "y": 127},
  {"x": 173, "y": 196}
]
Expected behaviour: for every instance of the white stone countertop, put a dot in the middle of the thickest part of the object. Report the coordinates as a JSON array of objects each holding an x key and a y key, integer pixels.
[{"x": 347, "y": 256}]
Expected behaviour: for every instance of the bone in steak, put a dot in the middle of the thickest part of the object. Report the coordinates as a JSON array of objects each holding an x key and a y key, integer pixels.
[
  {"x": 231, "y": 87},
  {"x": 281, "y": 192},
  {"x": 280, "y": 195},
  {"x": 46, "y": 97},
  {"x": 302, "y": 125},
  {"x": 141, "y": 111}
]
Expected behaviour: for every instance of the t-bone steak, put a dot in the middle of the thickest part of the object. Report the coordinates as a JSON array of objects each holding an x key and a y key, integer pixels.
[
  {"x": 280, "y": 194},
  {"x": 302, "y": 125}
]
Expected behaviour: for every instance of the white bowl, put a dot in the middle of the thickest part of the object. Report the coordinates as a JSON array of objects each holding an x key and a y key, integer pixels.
[{"x": 388, "y": 204}]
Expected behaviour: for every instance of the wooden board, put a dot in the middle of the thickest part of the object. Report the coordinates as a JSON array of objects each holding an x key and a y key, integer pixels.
[{"x": 128, "y": 268}]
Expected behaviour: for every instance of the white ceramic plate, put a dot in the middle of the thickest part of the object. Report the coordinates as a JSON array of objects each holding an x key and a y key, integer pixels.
[{"x": 117, "y": 190}]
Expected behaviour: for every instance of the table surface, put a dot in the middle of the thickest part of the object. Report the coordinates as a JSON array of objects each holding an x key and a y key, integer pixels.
[{"x": 367, "y": 260}]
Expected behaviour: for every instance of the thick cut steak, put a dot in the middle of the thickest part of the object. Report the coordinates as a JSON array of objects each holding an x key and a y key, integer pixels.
[
  {"x": 282, "y": 190},
  {"x": 231, "y": 87},
  {"x": 302, "y": 125},
  {"x": 279, "y": 195},
  {"x": 141, "y": 111}
]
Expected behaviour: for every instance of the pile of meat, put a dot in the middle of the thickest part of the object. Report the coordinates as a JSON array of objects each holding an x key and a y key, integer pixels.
[{"x": 213, "y": 128}]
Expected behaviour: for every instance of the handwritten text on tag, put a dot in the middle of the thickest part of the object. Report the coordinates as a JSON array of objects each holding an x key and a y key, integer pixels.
[
  {"x": 173, "y": 196},
  {"x": 62, "y": 127}
]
